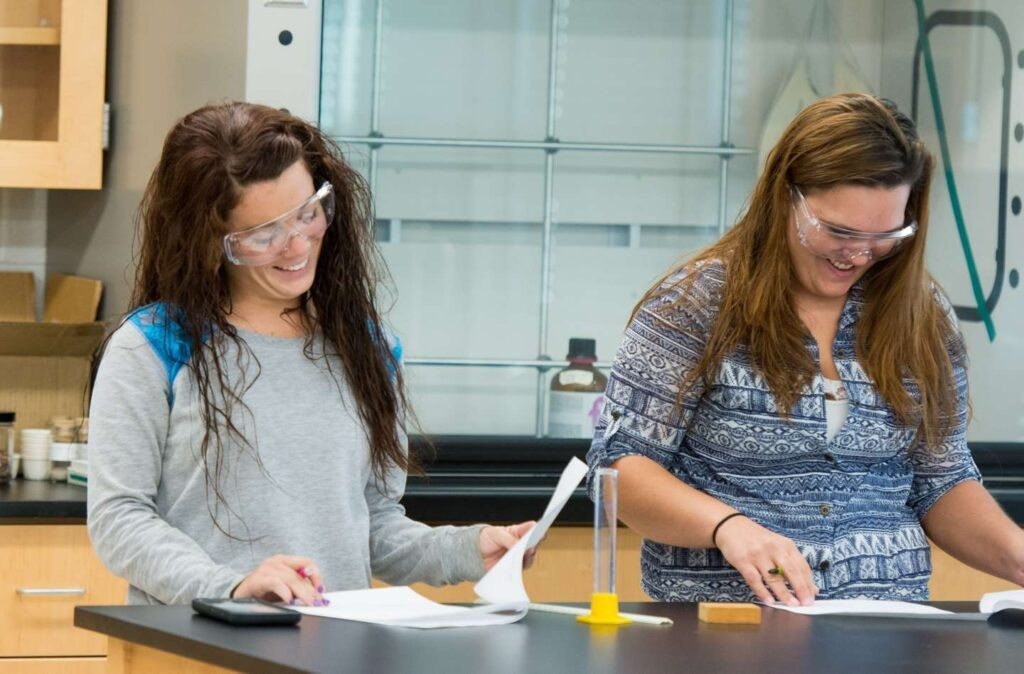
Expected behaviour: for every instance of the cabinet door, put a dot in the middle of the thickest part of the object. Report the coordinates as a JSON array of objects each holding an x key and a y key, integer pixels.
[
  {"x": 52, "y": 69},
  {"x": 45, "y": 571},
  {"x": 53, "y": 665}
]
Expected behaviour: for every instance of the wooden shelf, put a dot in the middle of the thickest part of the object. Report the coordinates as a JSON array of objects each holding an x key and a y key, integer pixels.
[
  {"x": 52, "y": 94},
  {"x": 30, "y": 36}
]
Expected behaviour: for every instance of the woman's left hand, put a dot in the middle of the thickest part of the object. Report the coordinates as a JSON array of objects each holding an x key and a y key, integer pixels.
[{"x": 496, "y": 541}]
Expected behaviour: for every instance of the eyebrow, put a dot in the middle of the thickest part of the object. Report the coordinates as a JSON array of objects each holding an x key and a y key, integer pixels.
[
  {"x": 860, "y": 231},
  {"x": 293, "y": 209}
]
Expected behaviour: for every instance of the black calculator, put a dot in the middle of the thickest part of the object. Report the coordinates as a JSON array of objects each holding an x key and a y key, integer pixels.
[{"x": 245, "y": 611}]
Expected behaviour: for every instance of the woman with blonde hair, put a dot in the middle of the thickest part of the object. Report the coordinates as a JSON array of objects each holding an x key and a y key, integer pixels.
[{"x": 788, "y": 409}]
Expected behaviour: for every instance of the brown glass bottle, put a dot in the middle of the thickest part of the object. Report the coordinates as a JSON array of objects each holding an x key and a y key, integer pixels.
[
  {"x": 6, "y": 446},
  {"x": 577, "y": 393}
]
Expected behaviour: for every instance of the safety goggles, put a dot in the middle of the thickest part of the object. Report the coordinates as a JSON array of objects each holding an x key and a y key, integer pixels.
[
  {"x": 262, "y": 244},
  {"x": 841, "y": 244}
]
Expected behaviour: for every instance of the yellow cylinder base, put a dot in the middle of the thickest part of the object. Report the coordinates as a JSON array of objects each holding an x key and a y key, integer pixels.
[{"x": 604, "y": 610}]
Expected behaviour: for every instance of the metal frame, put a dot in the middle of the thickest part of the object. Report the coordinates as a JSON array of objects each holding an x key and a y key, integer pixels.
[
  {"x": 538, "y": 364},
  {"x": 550, "y": 146}
]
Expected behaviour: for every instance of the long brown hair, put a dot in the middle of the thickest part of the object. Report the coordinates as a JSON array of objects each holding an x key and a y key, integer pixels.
[
  {"x": 208, "y": 157},
  {"x": 904, "y": 337}
]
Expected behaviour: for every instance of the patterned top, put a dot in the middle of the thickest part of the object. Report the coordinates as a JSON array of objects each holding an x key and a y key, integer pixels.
[{"x": 852, "y": 506}]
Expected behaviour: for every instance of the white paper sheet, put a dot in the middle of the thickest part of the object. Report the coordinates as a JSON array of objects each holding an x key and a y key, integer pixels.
[
  {"x": 504, "y": 582},
  {"x": 861, "y": 606},
  {"x": 502, "y": 586},
  {"x": 403, "y": 606}
]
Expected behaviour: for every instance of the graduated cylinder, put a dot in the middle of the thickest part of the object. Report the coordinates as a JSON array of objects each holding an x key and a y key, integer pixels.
[{"x": 604, "y": 602}]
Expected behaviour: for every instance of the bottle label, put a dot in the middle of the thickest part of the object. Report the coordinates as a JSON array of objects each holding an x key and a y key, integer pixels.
[
  {"x": 574, "y": 414},
  {"x": 577, "y": 377}
]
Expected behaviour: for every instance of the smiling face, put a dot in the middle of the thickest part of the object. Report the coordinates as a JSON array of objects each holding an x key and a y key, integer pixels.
[
  {"x": 872, "y": 210},
  {"x": 283, "y": 281}
]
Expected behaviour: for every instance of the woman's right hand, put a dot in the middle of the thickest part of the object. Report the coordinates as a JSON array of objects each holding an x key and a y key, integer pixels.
[
  {"x": 755, "y": 551},
  {"x": 286, "y": 578}
]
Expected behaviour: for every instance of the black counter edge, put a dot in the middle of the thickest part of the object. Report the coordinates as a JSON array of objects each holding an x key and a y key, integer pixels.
[
  {"x": 455, "y": 461},
  {"x": 503, "y": 479},
  {"x": 91, "y": 618},
  {"x": 524, "y": 449}
]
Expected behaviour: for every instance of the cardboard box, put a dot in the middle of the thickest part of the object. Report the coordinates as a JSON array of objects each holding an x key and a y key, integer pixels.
[{"x": 45, "y": 366}]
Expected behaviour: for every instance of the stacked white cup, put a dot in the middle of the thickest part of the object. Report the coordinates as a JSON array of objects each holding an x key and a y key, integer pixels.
[{"x": 35, "y": 453}]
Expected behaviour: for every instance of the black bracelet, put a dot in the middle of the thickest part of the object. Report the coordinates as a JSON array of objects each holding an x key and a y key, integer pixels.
[{"x": 722, "y": 521}]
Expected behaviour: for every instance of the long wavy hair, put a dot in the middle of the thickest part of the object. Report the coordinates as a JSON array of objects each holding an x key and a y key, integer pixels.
[
  {"x": 904, "y": 340},
  {"x": 209, "y": 157}
]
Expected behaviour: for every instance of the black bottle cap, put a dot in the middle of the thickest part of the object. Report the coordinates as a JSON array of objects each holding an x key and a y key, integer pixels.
[
  {"x": 7, "y": 417},
  {"x": 582, "y": 348}
]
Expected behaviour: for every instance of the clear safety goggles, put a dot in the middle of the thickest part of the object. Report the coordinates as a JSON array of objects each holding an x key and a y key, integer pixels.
[
  {"x": 841, "y": 244},
  {"x": 265, "y": 243}
]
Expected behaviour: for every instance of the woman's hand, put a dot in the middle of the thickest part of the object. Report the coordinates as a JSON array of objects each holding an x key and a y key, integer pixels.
[
  {"x": 495, "y": 541},
  {"x": 286, "y": 578},
  {"x": 759, "y": 555}
]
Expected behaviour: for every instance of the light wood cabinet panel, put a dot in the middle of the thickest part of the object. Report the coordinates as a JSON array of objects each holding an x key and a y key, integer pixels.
[
  {"x": 52, "y": 74},
  {"x": 35, "y": 559},
  {"x": 562, "y": 570},
  {"x": 53, "y": 666},
  {"x": 130, "y": 658},
  {"x": 955, "y": 581},
  {"x": 562, "y": 573}
]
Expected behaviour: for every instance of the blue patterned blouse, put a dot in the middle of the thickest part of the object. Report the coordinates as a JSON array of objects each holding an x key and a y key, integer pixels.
[{"x": 852, "y": 506}]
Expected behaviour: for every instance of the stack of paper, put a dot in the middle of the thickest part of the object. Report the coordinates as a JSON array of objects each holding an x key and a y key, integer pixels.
[
  {"x": 502, "y": 587},
  {"x": 997, "y": 601}
]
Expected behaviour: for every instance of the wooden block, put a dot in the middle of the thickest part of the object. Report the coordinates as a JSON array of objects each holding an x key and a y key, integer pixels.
[{"x": 735, "y": 614}]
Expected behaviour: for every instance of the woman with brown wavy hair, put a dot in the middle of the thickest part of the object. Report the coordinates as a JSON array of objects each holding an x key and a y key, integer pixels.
[
  {"x": 247, "y": 420},
  {"x": 788, "y": 409}
]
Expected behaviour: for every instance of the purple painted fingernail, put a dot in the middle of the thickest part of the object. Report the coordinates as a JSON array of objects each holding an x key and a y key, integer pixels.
[
  {"x": 320, "y": 589},
  {"x": 326, "y": 601},
  {"x": 316, "y": 602},
  {"x": 293, "y": 602}
]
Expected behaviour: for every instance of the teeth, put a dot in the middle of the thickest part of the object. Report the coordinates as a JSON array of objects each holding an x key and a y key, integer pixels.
[
  {"x": 842, "y": 266},
  {"x": 296, "y": 267}
]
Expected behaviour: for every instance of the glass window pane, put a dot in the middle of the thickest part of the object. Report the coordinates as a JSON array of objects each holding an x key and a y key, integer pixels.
[
  {"x": 645, "y": 72},
  {"x": 449, "y": 68},
  {"x": 622, "y": 220},
  {"x": 461, "y": 228},
  {"x": 346, "y": 65}
]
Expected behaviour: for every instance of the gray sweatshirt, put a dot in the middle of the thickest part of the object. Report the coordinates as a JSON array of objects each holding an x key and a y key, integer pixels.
[{"x": 151, "y": 513}]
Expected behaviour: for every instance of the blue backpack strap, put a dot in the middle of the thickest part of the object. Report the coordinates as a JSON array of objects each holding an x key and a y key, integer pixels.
[
  {"x": 396, "y": 351},
  {"x": 396, "y": 344},
  {"x": 166, "y": 338}
]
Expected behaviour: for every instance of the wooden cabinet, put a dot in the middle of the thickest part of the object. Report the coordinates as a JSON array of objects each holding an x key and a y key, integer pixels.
[
  {"x": 52, "y": 71},
  {"x": 563, "y": 572},
  {"x": 45, "y": 571}
]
